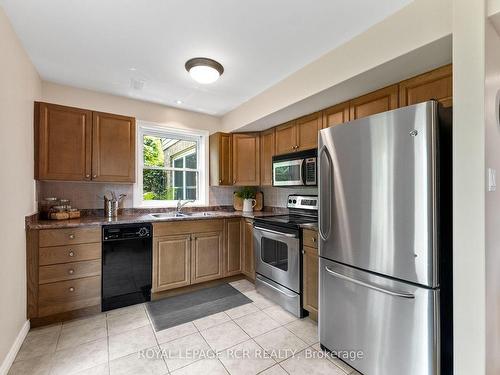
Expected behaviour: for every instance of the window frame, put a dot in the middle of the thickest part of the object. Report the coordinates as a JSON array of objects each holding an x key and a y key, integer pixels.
[{"x": 159, "y": 130}]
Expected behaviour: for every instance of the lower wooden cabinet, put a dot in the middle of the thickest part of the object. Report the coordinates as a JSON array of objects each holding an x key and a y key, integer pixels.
[
  {"x": 206, "y": 257},
  {"x": 248, "y": 253},
  {"x": 171, "y": 262},
  {"x": 233, "y": 247},
  {"x": 310, "y": 281}
]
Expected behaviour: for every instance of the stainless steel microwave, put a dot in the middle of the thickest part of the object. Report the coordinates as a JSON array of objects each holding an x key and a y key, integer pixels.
[{"x": 295, "y": 169}]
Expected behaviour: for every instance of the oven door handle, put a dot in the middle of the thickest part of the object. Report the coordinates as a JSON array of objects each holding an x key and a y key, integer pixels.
[{"x": 290, "y": 235}]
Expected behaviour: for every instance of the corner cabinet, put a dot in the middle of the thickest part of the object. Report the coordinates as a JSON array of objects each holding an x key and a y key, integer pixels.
[
  {"x": 246, "y": 159},
  {"x": 73, "y": 144}
]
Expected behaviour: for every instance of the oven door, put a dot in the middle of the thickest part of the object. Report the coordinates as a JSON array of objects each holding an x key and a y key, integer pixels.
[
  {"x": 288, "y": 172},
  {"x": 277, "y": 256}
]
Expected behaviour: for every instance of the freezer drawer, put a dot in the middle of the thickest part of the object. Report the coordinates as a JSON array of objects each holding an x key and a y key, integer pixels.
[{"x": 395, "y": 325}]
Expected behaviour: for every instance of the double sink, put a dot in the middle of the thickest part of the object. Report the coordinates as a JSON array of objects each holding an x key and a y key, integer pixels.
[{"x": 163, "y": 215}]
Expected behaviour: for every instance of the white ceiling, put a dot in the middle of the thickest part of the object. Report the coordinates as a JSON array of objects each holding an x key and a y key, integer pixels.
[{"x": 104, "y": 44}]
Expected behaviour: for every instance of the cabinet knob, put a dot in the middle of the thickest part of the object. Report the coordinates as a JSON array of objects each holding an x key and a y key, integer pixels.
[
  {"x": 71, "y": 236},
  {"x": 71, "y": 271},
  {"x": 234, "y": 181},
  {"x": 87, "y": 176},
  {"x": 220, "y": 181},
  {"x": 314, "y": 239},
  {"x": 94, "y": 176},
  {"x": 71, "y": 289},
  {"x": 71, "y": 253}
]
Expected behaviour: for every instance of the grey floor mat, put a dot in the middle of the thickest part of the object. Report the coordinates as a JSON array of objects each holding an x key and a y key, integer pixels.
[{"x": 172, "y": 311}]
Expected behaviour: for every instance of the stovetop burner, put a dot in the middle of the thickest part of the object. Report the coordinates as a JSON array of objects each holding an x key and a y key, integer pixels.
[
  {"x": 290, "y": 219},
  {"x": 303, "y": 210}
]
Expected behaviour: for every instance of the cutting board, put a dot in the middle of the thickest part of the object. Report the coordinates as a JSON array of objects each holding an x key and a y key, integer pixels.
[{"x": 238, "y": 202}]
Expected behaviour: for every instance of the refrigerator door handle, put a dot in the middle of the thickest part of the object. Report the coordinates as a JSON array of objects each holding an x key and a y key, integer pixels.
[
  {"x": 370, "y": 286},
  {"x": 325, "y": 192}
]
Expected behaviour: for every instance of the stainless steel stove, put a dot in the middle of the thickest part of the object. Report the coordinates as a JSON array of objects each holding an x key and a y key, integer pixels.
[{"x": 278, "y": 258}]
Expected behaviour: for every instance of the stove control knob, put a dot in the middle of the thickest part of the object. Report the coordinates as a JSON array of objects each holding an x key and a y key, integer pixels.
[
  {"x": 289, "y": 201},
  {"x": 143, "y": 232},
  {"x": 294, "y": 201}
]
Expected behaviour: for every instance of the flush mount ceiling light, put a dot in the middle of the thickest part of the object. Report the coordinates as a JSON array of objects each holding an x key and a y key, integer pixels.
[{"x": 204, "y": 70}]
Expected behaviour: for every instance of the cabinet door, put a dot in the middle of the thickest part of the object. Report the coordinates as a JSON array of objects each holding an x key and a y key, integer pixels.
[
  {"x": 206, "y": 257},
  {"x": 375, "y": 102},
  {"x": 310, "y": 281},
  {"x": 221, "y": 152},
  {"x": 171, "y": 262},
  {"x": 62, "y": 143},
  {"x": 436, "y": 84},
  {"x": 232, "y": 250},
  {"x": 246, "y": 159},
  {"x": 307, "y": 131},
  {"x": 266, "y": 161},
  {"x": 286, "y": 138},
  {"x": 248, "y": 254},
  {"x": 113, "y": 148},
  {"x": 335, "y": 115}
]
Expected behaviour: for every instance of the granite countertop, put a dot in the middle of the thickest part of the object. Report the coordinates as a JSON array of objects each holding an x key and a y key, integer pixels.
[{"x": 96, "y": 217}]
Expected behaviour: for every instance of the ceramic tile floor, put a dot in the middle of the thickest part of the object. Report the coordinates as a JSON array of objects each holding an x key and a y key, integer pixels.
[{"x": 257, "y": 338}]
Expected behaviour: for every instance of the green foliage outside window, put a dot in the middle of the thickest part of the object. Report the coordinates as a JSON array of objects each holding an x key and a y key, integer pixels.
[{"x": 154, "y": 181}]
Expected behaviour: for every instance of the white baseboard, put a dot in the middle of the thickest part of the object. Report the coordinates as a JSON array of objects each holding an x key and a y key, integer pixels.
[{"x": 16, "y": 345}]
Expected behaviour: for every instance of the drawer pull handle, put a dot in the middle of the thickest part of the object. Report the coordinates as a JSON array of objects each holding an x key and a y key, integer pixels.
[
  {"x": 71, "y": 236},
  {"x": 71, "y": 289},
  {"x": 71, "y": 253},
  {"x": 71, "y": 271}
]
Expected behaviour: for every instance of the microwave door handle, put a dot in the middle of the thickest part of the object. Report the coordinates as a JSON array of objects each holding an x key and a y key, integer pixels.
[{"x": 302, "y": 171}]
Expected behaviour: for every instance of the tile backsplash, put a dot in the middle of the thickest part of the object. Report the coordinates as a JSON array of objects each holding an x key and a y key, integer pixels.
[{"x": 87, "y": 194}]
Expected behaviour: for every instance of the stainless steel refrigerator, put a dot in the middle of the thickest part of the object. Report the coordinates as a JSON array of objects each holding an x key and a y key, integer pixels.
[{"x": 385, "y": 241}]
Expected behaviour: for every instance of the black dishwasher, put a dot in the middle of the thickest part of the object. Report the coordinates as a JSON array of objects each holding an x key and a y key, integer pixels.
[{"x": 126, "y": 264}]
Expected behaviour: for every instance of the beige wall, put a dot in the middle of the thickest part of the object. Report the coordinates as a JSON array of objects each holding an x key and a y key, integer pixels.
[
  {"x": 143, "y": 111},
  {"x": 418, "y": 24},
  {"x": 469, "y": 186},
  {"x": 20, "y": 86},
  {"x": 492, "y": 96}
]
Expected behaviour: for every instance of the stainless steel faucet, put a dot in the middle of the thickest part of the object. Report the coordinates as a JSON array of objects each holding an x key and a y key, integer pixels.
[{"x": 180, "y": 204}]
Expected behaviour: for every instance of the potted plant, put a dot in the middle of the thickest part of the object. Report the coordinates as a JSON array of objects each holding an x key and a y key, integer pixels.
[{"x": 247, "y": 193}]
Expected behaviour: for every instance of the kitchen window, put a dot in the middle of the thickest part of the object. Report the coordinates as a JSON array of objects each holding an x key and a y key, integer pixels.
[{"x": 172, "y": 165}]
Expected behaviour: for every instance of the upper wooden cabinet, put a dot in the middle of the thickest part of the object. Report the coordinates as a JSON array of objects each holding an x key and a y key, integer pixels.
[
  {"x": 307, "y": 131},
  {"x": 246, "y": 159},
  {"x": 221, "y": 153},
  {"x": 375, "y": 102},
  {"x": 267, "y": 144},
  {"x": 335, "y": 115},
  {"x": 73, "y": 144},
  {"x": 63, "y": 143},
  {"x": 298, "y": 135},
  {"x": 436, "y": 84},
  {"x": 113, "y": 148},
  {"x": 286, "y": 138}
]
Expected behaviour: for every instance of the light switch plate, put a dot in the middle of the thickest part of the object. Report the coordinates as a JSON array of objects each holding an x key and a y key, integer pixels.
[{"x": 492, "y": 176}]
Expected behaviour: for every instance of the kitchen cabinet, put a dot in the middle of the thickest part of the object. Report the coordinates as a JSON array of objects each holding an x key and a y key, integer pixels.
[
  {"x": 221, "y": 154},
  {"x": 63, "y": 143},
  {"x": 335, "y": 115},
  {"x": 113, "y": 148},
  {"x": 171, "y": 262},
  {"x": 436, "y": 84},
  {"x": 206, "y": 257},
  {"x": 310, "y": 272},
  {"x": 246, "y": 159},
  {"x": 286, "y": 138},
  {"x": 63, "y": 273},
  {"x": 375, "y": 102},
  {"x": 267, "y": 143},
  {"x": 233, "y": 247},
  {"x": 248, "y": 251},
  {"x": 298, "y": 135},
  {"x": 73, "y": 144},
  {"x": 307, "y": 131}
]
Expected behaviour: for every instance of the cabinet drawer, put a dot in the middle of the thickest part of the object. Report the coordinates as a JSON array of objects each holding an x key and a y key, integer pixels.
[
  {"x": 187, "y": 227},
  {"x": 67, "y": 254},
  {"x": 69, "y": 271},
  {"x": 69, "y": 236},
  {"x": 310, "y": 238},
  {"x": 69, "y": 295}
]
